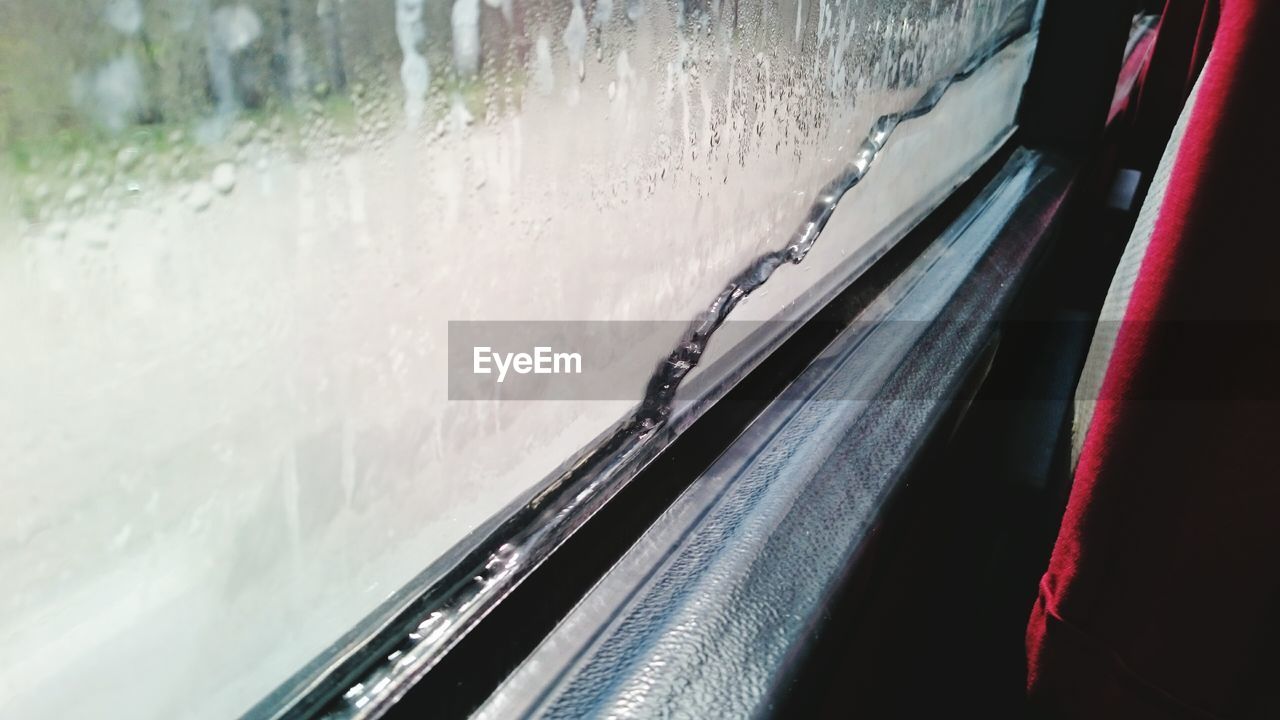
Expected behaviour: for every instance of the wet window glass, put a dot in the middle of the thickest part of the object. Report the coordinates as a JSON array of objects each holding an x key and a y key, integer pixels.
[{"x": 233, "y": 236}]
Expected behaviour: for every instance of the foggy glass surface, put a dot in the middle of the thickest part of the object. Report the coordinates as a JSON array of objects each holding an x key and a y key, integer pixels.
[{"x": 232, "y": 235}]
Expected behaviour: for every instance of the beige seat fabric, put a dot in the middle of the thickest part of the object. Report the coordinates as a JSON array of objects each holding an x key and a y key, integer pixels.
[{"x": 1122, "y": 284}]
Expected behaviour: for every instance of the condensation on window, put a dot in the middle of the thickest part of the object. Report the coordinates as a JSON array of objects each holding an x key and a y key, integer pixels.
[{"x": 232, "y": 235}]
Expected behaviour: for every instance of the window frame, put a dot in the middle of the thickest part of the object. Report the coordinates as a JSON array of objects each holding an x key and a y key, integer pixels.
[{"x": 632, "y": 474}]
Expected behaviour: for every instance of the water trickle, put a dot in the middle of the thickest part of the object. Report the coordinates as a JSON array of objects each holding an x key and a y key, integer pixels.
[
  {"x": 544, "y": 77},
  {"x": 575, "y": 40},
  {"x": 415, "y": 73},
  {"x": 465, "y": 20}
]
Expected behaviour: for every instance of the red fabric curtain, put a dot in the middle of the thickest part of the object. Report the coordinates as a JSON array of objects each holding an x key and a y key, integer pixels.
[{"x": 1162, "y": 597}]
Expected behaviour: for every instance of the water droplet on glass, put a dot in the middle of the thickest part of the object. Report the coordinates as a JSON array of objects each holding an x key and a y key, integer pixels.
[
  {"x": 200, "y": 197},
  {"x": 224, "y": 177},
  {"x": 76, "y": 193}
]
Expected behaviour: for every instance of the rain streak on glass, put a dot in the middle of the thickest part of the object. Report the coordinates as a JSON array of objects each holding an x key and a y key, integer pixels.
[{"x": 232, "y": 235}]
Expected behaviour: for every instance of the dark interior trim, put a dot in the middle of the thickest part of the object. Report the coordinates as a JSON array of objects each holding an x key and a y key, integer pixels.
[{"x": 1078, "y": 57}]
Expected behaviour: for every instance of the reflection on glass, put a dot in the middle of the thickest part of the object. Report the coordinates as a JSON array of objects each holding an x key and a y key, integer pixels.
[{"x": 232, "y": 235}]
